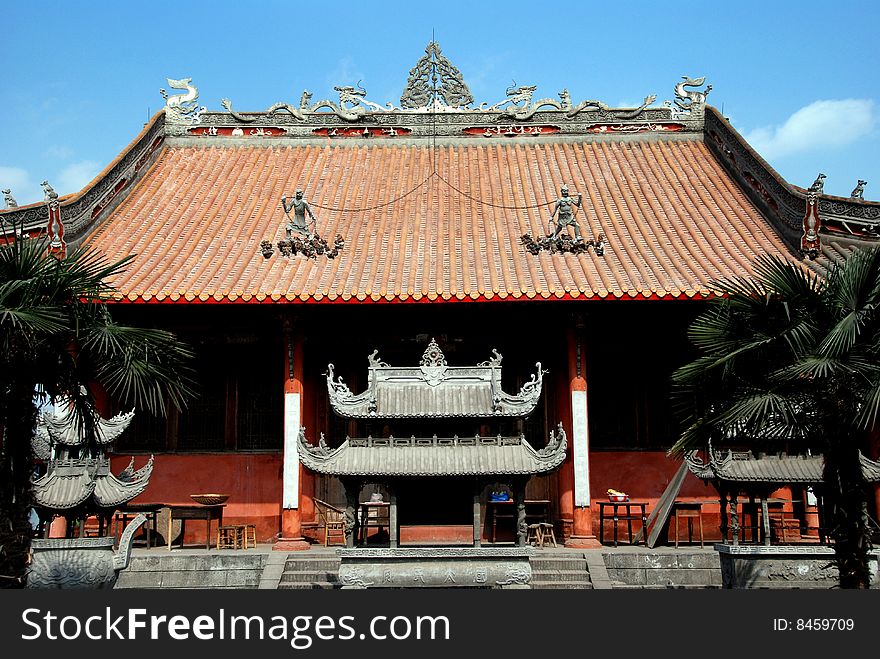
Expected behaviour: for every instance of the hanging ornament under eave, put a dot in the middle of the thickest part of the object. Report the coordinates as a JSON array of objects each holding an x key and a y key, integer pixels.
[{"x": 299, "y": 239}]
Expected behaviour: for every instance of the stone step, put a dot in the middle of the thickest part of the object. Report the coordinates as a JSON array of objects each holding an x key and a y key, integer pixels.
[
  {"x": 307, "y": 575},
  {"x": 329, "y": 565},
  {"x": 625, "y": 586},
  {"x": 307, "y": 585},
  {"x": 560, "y": 575},
  {"x": 558, "y": 564},
  {"x": 561, "y": 585}
]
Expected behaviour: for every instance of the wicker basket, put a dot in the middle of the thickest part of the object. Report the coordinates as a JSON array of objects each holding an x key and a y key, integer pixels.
[{"x": 209, "y": 499}]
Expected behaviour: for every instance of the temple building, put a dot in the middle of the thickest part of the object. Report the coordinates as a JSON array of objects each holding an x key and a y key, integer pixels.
[{"x": 292, "y": 245}]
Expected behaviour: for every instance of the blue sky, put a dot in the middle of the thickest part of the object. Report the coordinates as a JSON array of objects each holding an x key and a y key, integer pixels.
[{"x": 798, "y": 79}]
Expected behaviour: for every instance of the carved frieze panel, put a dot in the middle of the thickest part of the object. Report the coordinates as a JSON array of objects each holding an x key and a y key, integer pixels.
[
  {"x": 637, "y": 128},
  {"x": 362, "y": 132},
  {"x": 511, "y": 130},
  {"x": 236, "y": 131}
]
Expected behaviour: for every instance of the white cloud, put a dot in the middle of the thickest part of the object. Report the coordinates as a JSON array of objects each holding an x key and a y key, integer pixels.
[
  {"x": 345, "y": 73},
  {"x": 24, "y": 189},
  {"x": 59, "y": 152},
  {"x": 75, "y": 176},
  {"x": 819, "y": 125}
]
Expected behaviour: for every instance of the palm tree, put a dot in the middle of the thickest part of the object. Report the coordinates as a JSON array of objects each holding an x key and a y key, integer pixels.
[
  {"x": 792, "y": 359},
  {"x": 57, "y": 336}
]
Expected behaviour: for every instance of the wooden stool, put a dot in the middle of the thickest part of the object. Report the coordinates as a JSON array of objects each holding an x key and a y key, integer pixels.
[
  {"x": 535, "y": 536},
  {"x": 230, "y": 537},
  {"x": 250, "y": 536},
  {"x": 689, "y": 511},
  {"x": 547, "y": 532}
]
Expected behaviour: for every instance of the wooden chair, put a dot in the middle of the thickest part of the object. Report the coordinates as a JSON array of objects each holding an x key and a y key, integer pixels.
[{"x": 333, "y": 521}]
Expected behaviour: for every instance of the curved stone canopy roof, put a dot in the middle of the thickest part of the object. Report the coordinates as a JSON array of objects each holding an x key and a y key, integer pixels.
[
  {"x": 433, "y": 389},
  {"x": 69, "y": 484},
  {"x": 433, "y": 456},
  {"x": 744, "y": 467}
]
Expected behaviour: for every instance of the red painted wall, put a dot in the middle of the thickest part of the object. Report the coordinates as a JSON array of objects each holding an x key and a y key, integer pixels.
[
  {"x": 644, "y": 475},
  {"x": 252, "y": 481}
]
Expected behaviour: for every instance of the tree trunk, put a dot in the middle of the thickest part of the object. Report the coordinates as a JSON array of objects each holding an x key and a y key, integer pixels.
[
  {"x": 16, "y": 465},
  {"x": 847, "y": 513}
]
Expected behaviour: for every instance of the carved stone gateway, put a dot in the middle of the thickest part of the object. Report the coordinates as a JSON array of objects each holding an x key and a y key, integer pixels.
[{"x": 434, "y": 390}]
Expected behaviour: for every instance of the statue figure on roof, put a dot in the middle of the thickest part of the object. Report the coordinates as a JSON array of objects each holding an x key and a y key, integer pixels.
[
  {"x": 49, "y": 192},
  {"x": 859, "y": 191},
  {"x": 818, "y": 186},
  {"x": 300, "y": 207},
  {"x": 9, "y": 199},
  {"x": 565, "y": 209}
]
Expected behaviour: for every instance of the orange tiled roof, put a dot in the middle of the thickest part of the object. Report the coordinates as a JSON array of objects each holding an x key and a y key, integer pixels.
[{"x": 672, "y": 217}]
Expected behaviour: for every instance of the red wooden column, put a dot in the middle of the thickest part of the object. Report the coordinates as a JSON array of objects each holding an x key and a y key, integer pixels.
[
  {"x": 576, "y": 469},
  {"x": 292, "y": 472}
]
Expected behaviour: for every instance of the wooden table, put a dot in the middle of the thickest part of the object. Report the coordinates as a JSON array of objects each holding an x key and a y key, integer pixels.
[
  {"x": 198, "y": 511},
  {"x": 132, "y": 510},
  {"x": 628, "y": 516},
  {"x": 374, "y": 514},
  {"x": 537, "y": 510}
]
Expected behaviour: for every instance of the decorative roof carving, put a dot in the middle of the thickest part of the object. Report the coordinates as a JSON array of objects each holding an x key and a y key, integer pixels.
[
  {"x": 433, "y": 389},
  {"x": 691, "y": 102},
  {"x": 182, "y": 108},
  {"x": 743, "y": 466},
  {"x": 422, "y": 88},
  {"x": 818, "y": 186},
  {"x": 435, "y": 86},
  {"x": 859, "y": 191},
  {"x": 810, "y": 241},
  {"x": 434, "y": 456},
  {"x": 9, "y": 199}
]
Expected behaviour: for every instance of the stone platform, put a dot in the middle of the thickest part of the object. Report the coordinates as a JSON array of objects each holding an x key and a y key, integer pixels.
[
  {"x": 444, "y": 567},
  {"x": 782, "y": 566}
]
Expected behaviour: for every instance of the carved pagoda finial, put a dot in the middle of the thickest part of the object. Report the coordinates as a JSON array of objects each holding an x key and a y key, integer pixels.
[
  {"x": 433, "y": 80},
  {"x": 9, "y": 199},
  {"x": 818, "y": 186},
  {"x": 858, "y": 192}
]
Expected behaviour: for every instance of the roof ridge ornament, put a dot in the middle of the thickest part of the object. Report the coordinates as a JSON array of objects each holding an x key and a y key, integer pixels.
[
  {"x": 433, "y": 364},
  {"x": 183, "y": 108},
  {"x": 691, "y": 103},
  {"x": 857, "y": 193},
  {"x": 422, "y": 89},
  {"x": 9, "y": 199}
]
